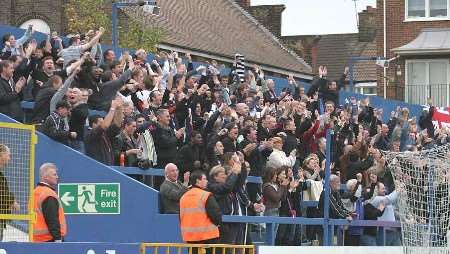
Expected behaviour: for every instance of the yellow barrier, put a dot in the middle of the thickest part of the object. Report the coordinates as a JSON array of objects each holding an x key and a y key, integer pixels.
[
  {"x": 196, "y": 248},
  {"x": 21, "y": 140}
]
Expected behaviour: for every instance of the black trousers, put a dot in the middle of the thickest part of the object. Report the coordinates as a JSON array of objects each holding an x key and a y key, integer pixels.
[{"x": 208, "y": 250}]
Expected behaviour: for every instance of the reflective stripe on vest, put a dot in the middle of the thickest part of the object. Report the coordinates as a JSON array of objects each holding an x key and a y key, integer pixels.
[
  {"x": 40, "y": 228},
  {"x": 195, "y": 224},
  {"x": 198, "y": 229}
]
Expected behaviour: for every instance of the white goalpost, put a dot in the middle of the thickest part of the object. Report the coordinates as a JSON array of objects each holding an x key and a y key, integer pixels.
[{"x": 422, "y": 179}]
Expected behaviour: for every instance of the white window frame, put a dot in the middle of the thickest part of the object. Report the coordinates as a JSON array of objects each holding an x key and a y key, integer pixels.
[
  {"x": 427, "y": 13},
  {"x": 427, "y": 72},
  {"x": 359, "y": 87}
]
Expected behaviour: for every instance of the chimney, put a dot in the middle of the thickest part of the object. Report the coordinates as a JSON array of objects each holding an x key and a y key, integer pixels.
[
  {"x": 269, "y": 16},
  {"x": 367, "y": 24},
  {"x": 244, "y": 3}
]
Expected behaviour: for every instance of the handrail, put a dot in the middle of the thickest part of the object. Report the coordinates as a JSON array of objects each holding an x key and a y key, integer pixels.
[
  {"x": 308, "y": 221},
  {"x": 271, "y": 220},
  {"x": 160, "y": 172}
]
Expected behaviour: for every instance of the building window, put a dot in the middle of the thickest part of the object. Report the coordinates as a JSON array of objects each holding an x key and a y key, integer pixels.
[
  {"x": 38, "y": 25},
  {"x": 428, "y": 79},
  {"x": 427, "y": 9},
  {"x": 366, "y": 88}
]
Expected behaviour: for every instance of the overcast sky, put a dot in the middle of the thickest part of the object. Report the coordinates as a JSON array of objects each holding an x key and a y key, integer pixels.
[{"x": 318, "y": 16}]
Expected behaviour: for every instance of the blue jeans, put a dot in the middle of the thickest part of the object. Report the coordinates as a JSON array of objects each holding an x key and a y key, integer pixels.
[
  {"x": 368, "y": 240},
  {"x": 78, "y": 145},
  {"x": 393, "y": 238},
  {"x": 273, "y": 212}
]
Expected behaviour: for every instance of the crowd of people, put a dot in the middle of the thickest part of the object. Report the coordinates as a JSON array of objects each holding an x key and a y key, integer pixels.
[{"x": 206, "y": 122}]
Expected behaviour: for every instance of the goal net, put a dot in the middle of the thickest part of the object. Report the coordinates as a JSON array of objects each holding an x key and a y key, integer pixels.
[{"x": 422, "y": 179}]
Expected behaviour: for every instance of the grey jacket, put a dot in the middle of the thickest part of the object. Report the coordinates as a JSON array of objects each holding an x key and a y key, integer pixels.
[{"x": 171, "y": 193}]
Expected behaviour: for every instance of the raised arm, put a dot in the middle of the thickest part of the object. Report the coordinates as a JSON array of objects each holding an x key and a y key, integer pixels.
[
  {"x": 25, "y": 37},
  {"x": 115, "y": 105},
  {"x": 94, "y": 40}
]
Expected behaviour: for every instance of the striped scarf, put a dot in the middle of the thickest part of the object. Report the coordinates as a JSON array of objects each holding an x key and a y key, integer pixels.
[
  {"x": 147, "y": 146},
  {"x": 239, "y": 64}
]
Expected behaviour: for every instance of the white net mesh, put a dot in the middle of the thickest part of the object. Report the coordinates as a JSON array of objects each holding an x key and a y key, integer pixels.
[{"x": 422, "y": 179}]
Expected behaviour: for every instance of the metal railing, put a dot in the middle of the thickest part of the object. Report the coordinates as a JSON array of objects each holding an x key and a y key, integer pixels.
[
  {"x": 419, "y": 93},
  {"x": 179, "y": 248},
  {"x": 332, "y": 225}
]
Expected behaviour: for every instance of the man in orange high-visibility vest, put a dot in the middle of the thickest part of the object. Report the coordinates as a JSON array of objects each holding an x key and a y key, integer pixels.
[
  {"x": 200, "y": 214},
  {"x": 50, "y": 224}
]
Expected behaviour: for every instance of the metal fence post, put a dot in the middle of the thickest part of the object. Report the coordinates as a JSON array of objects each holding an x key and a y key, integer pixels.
[{"x": 326, "y": 189}]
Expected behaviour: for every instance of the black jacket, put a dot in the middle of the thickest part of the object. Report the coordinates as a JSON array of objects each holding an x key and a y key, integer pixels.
[
  {"x": 290, "y": 142},
  {"x": 228, "y": 145},
  {"x": 371, "y": 213},
  {"x": 225, "y": 194},
  {"x": 187, "y": 155},
  {"x": 270, "y": 97},
  {"x": 102, "y": 96},
  {"x": 120, "y": 145},
  {"x": 41, "y": 108},
  {"x": 54, "y": 127},
  {"x": 257, "y": 159},
  {"x": 77, "y": 121},
  {"x": 358, "y": 167},
  {"x": 337, "y": 209},
  {"x": 99, "y": 144},
  {"x": 10, "y": 101},
  {"x": 166, "y": 144}
]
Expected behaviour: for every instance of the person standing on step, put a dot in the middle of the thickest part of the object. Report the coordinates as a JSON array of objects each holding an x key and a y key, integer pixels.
[{"x": 50, "y": 224}]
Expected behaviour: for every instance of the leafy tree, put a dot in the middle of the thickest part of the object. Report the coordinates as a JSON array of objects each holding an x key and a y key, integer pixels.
[{"x": 84, "y": 15}]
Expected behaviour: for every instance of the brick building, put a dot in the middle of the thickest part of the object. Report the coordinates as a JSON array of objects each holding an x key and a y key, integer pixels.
[
  {"x": 46, "y": 15},
  {"x": 418, "y": 32}
]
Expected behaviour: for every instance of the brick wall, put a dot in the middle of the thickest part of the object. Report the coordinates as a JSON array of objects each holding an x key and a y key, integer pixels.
[
  {"x": 303, "y": 46},
  {"x": 367, "y": 24},
  {"x": 50, "y": 11},
  {"x": 398, "y": 34},
  {"x": 269, "y": 16}
]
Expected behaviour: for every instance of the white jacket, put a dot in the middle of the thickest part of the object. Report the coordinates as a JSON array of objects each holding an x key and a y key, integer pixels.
[{"x": 278, "y": 158}]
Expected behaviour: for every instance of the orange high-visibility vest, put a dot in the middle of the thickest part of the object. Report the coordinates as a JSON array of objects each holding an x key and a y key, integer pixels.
[
  {"x": 40, "y": 228},
  {"x": 194, "y": 222}
]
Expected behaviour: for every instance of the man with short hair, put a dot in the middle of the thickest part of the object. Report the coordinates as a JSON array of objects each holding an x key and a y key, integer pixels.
[
  {"x": 200, "y": 214},
  {"x": 165, "y": 138},
  {"x": 10, "y": 92},
  {"x": 192, "y": 155},
  {"x": 393, "y": 236},
  {"x": 172, "y": 190},
  {"x": 50, "y": 224},
  {"x": 109, "y": 56},
  {"x": 337, "y": 209},
  {"x": 55, "y": 127}
]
